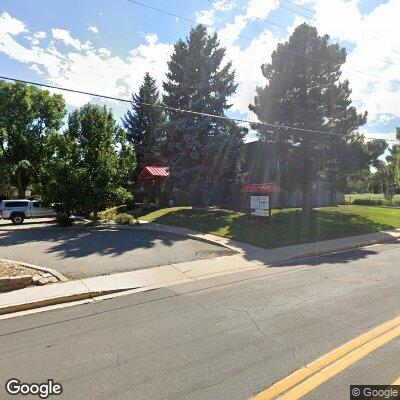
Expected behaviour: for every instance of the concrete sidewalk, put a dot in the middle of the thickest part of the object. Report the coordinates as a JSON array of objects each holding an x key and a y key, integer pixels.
[{"x": 247, "y": 258}]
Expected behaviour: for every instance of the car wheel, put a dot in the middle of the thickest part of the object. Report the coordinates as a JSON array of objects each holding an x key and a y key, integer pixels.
[{"x": 17, "y": 219}]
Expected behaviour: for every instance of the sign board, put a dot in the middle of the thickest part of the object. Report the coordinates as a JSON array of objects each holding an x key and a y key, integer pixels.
[
  {"x": 259, "y": 206},
  {"x": 261, "y": 213},
  {"x": 254, "y": 202}
]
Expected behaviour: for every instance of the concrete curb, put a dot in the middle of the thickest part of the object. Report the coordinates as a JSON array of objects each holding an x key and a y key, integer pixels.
[
  {"x": 338, "y": 249},
  {"x": 84, "y": 292},
  {"x": 59, "y": 276}
]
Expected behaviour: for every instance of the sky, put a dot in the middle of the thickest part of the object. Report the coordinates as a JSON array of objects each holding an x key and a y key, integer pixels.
[{"x": 106, "y": 46}]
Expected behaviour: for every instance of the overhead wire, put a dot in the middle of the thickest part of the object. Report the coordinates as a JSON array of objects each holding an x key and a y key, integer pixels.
[{"x": 185, "y": 111}]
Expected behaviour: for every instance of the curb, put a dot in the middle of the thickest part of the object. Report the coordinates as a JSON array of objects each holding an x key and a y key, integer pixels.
[
  {"x": 71, "y": 298},
  {"x": 59, "y": 276},
  {"x": 88, "y": 295},
  {"x": 317, "y": 253}
]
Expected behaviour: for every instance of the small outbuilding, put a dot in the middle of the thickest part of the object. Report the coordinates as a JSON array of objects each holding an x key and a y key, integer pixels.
[{"x": 152, "y": 183}]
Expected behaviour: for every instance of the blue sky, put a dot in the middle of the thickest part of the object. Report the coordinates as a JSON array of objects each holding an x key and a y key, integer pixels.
[{"x": 106, "y": 46}]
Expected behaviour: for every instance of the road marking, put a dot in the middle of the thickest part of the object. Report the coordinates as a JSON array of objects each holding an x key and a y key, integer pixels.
[
  {"x": 322, "y": 369},
  {"x": 396, "y": 382}
]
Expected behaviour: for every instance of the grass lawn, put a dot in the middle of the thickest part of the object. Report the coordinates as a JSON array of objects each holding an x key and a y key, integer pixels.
[
  {"x": 286, "y": 227},
  {"x": 369, "y": 196}
]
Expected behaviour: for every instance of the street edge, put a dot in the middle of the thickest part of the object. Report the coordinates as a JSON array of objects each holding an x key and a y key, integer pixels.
[{"x": 9, "y": 311}]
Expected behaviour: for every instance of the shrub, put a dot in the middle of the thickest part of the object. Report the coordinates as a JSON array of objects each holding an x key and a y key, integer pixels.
[
  {"x": 124, "y": 219},
  {"x": 111, "y": 213},
  {"x": 63, "y": 219},
  {"x": 376, "y": 202}
]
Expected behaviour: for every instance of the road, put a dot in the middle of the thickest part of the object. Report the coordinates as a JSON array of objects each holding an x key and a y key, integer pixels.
[
  {"x": 223, "y": 338},
  {"x": 81, "y": 253}
]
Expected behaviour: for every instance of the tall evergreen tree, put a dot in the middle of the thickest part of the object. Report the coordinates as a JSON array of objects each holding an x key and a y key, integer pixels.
[
  {"x": 198, "y": 80},
  {"x": 304, "y": 90},
  {"x": 145, "y": 125}
]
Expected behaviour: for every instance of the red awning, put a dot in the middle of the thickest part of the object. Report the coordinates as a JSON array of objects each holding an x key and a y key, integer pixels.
[
  {"x": 153, "y": 172},
  {"x": 259, "y": 188}
]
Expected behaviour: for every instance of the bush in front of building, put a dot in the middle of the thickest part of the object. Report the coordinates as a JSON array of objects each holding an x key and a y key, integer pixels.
[
  {"x": 124, "y": 219},
  {"x": 111, "y": 213},
  {"x": 376, "y": 202}
]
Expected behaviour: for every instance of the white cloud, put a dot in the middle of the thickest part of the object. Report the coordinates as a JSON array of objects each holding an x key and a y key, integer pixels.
[
  {"x": 93, "y": 29},
  {"x": 10, "y": 25},
  {"x": 39, "y": 35},
  {"x": 65, "y": 37},
  {"x": 36, "y": 69},
  {"x": 85, "y": 67},
  {"x": 224, "y": 5},
  {"x": 205, "y": 17},
  {"x": 261, "y": 8}
]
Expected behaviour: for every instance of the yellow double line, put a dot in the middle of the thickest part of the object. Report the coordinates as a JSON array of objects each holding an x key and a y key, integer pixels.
[{"x": 304, "y": 380}]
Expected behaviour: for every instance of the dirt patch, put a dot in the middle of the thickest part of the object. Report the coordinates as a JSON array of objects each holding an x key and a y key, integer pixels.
[{"x": 9, "y": 268}]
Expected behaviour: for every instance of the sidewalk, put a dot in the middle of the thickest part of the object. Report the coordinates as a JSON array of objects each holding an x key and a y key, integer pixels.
[{"x": 247, "y": 258}]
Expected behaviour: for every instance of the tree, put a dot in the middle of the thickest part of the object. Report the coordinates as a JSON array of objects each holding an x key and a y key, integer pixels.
[
  {"x": 27, "y": 116},
  {"x": 4, "y": 177},
  {"x": 90, "y": 166},
  {"x": 304, "y": 91},
  {"x": 145, "y": 125},
  {"x": 398, "y": 158},
  {"x": 386, "y": 174},
  {"x": 197, "y": 80}
]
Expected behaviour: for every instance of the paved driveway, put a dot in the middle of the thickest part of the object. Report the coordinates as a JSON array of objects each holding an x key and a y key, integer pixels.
[{"x": 83, "y": 253}]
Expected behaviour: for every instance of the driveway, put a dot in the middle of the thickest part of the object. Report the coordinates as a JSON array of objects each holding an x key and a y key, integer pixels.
[{"x": 78, "y": 253}]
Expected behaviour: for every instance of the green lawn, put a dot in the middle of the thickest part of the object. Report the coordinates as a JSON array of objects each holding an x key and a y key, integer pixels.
[
  {"x": 286, "y": 227},
  {"x": 369, "y": 196}
]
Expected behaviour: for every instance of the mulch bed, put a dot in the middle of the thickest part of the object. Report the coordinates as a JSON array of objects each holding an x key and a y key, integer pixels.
[{"x": 9, "y": 268}]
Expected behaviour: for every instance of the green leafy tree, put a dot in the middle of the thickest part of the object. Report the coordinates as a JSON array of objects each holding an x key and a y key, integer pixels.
[
  {"x": 145, "y": 125},
  {"x": 387, "y": 173},
  {"x": 27, "y": 116},
  {"x": 90, "y": 166},
  {"x": 198, "y": 80},
  {"x": 4, "y": 177},
  {"x": 398, "y": 158},
  {"x": 304, "y": 90},
  {"x": 62, "y": 177}
]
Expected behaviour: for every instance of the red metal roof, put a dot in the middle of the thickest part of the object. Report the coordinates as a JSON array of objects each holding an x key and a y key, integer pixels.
[
  {"x": 259, "y": 188},
  {"x": 153, "y": 172}
]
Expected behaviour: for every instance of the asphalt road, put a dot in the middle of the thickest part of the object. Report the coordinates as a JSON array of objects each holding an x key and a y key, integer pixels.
[
  {"x": 222, "y": 338},
  {"x": 80, "y": 253}
]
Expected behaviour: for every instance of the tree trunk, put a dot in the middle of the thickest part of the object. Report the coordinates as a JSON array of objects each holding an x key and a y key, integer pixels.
[
  {"x": 21, "y": 187},
  {"x": 306, "y": 197}
]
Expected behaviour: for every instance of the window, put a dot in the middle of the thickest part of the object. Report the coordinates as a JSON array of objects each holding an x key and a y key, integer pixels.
[
  {"x": 35, "y": 204},
  {"x": 16, "y": 204}
]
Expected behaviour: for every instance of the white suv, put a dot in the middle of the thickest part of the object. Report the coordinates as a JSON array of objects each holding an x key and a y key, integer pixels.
[{"x": 18, "y": 210}]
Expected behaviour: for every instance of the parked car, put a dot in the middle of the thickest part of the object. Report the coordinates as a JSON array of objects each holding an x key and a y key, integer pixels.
[{"x": 19, "y": 210}]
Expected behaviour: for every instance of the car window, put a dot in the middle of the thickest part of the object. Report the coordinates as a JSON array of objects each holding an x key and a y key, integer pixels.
[
  {"x": 16, "y": 204},
  {"x": 35, "y": 204}
]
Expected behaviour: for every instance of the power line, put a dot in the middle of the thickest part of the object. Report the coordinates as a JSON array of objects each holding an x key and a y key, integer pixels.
[
  {"x": 183, "y": 111},
  {"x": 312, "y": 18},
  {"x": 300, "y": 6},
  {"x": 250, "y": 40}
]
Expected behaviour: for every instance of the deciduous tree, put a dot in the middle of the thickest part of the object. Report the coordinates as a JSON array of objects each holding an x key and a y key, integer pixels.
[{"x": 27, "y": 116}]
